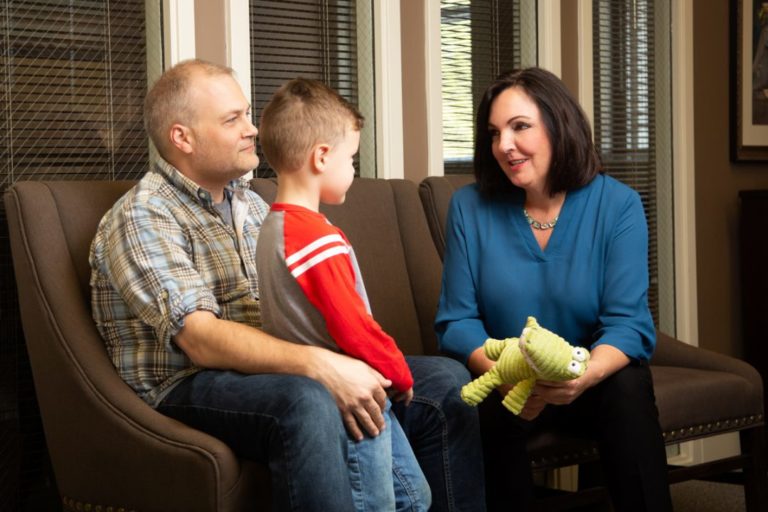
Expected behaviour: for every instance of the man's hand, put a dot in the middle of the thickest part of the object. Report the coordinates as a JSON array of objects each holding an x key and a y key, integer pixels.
[{"x": 359, "y": 391}]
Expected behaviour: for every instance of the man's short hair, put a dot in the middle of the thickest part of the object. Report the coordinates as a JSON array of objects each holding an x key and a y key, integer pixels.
[
  {"x": 168, "y": 100},
  {"x": 302, "y": 113}
]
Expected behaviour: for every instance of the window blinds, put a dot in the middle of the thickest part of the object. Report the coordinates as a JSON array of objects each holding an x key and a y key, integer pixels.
[
  {"x": 479, "y": 40},
  {"x": 308, "y": 38},
  {"x": 624, "y": 103},
  {"x": 73, "y": 84}
]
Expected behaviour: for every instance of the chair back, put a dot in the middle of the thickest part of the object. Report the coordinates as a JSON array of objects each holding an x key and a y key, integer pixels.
[{"x": 436, "y": 192}]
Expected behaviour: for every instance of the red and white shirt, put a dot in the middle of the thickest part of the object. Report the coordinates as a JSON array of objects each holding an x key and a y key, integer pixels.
[{"x": 311, "y": 291}]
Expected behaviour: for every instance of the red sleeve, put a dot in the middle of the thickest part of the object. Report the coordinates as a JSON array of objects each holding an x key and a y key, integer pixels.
[{"x": 317, "y": 255}]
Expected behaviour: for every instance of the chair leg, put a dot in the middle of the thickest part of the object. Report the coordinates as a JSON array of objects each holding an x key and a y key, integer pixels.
[{"x": 756, "y": 470}]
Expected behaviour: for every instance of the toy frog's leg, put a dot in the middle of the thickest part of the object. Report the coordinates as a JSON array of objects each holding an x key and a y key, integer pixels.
[
  {"x": 518, "y": 395},
  {"x": 493, "y": 348},
  {"x": 476, "y": 391}
]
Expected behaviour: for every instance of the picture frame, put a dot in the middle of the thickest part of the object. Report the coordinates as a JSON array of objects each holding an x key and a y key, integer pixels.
[{"x": 749, "y": 80}]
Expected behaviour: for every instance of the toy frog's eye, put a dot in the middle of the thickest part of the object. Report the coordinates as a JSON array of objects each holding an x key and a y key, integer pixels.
[
  {"x": 574, "y": 367},
  {"x": 579, "y": 354}
]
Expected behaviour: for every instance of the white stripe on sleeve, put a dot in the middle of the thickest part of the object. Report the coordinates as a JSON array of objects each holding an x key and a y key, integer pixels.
[{"x": 319, "y": 258}]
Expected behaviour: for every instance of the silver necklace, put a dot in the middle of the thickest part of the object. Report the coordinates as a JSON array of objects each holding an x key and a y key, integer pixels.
[{"x": 539, "y": 225}]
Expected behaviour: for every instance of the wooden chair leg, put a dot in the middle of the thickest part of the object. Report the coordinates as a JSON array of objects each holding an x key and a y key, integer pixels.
[{"x": 756, "y": 470}]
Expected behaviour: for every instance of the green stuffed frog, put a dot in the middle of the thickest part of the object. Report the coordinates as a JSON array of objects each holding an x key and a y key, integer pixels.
[{"x": 537, "y": 354}]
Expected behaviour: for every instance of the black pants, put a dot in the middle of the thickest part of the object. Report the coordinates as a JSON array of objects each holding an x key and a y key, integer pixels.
[{"x": 619, "y": 413}]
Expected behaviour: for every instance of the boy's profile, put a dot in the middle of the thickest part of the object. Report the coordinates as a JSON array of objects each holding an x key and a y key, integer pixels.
[{"x": 311, "y": 290}]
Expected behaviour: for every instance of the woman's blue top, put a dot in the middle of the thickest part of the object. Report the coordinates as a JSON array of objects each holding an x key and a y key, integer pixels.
[{"x": 590, "y": 285}]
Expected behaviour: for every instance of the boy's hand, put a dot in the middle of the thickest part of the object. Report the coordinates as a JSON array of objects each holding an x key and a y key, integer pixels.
[{"x": 402, "y": 396}]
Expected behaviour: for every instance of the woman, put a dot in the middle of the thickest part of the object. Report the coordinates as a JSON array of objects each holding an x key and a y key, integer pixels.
[{"x": 544, "y": 233}]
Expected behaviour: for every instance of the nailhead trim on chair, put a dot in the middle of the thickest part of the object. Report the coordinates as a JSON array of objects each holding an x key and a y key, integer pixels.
[
  {"x": 709, "y": 428},
  {"x": 672, "y": 436},
  {"x": 79, "y": 506},
  {"x": 565, "y": 459}
]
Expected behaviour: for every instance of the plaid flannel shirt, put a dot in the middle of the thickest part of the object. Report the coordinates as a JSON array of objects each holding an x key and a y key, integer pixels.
[{"x": 160, "y": 253}]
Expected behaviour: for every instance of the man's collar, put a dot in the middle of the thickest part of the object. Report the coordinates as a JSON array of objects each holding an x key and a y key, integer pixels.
[{"x": 178, "y": 180}]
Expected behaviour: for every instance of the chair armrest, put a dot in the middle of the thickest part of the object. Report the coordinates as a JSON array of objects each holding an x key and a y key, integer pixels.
[{"x": 673, "y": 352}]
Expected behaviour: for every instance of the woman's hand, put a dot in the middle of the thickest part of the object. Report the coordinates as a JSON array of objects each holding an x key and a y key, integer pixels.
[
  {"x": 533, "y": 407},
  {"x": 604, "y": 361}
]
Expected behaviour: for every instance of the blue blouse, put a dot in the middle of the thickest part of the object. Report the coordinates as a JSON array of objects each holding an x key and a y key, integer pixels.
[{"x": 590, "y": 285}]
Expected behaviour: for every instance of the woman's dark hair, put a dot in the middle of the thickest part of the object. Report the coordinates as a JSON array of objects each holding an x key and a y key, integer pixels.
[{"x": 574, "y": 162}]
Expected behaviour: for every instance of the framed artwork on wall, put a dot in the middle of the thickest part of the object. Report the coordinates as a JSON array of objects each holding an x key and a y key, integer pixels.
[{"x": 749, "y": 80}]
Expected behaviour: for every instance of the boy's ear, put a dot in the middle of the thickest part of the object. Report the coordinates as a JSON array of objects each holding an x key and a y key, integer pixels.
[
  {"x": 181, "y": 137},
  {"x": 319, "y": 156}
]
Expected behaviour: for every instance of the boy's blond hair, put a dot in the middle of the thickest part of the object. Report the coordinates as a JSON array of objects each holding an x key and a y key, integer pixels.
[
  {"x": 168, "y": 100},
  {"x": 303, "y": 113}
]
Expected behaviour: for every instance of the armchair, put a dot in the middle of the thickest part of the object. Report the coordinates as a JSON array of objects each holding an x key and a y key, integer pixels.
[
  {"x": 109, "y": 449},
  {"x": 699, "y": 393}
]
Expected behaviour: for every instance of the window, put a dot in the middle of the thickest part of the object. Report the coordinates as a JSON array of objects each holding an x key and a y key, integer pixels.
[
  {"x": 74, "y": 75},
  {"x": 479, "y": 40},
  {"x": 315, "y": 39},
  {"x": 73, "y": 86},
  {"x": 632, "y": 122}
]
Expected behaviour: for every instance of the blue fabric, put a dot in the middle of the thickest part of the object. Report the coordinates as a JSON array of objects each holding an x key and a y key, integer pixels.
[
  {"x": 589, "y": 286},
  {"x": 444, "y": 433},
  {"x": 264, "y": 418},
  {"x": 383, "y": 471},
  {"x": 288, "y": 422}
]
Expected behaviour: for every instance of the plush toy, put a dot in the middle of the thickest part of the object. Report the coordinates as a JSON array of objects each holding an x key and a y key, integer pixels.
[{"x": 537, "y": 354}]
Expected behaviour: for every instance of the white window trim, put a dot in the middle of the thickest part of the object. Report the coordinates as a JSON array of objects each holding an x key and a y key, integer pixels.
[
  {"x": 686, "y": 301},
  {"x": 389, "y": 93},
  {"x": 550, "y": 54},
  {"x": 434, "y": 86},
  {"x": 179, "y": 35},
  {"x": 584, "y": 41},
  {"x": 178, "y": 31},
  {"x": 238, "y": 37}
]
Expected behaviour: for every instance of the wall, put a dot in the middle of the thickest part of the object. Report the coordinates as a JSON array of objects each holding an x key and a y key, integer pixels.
[
  {"x": 412, "y": 41},
  {"x": 718, "y": 182},
  {"x": 210, "y": 31}
]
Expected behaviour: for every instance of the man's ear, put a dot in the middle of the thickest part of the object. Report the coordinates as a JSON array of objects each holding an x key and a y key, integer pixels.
[
  {"x": 181, "y": 138},
  {"x": 319, "y": 156}
]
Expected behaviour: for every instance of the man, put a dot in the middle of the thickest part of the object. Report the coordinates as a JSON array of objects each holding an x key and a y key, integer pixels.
[{"x": 175, "y": 297}]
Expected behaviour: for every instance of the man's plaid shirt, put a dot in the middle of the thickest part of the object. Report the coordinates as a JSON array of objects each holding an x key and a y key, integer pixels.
[{"x": 161, "y": 253}]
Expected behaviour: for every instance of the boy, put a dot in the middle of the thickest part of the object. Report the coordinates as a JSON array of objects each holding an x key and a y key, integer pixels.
[{"x": 311, "y": 290}]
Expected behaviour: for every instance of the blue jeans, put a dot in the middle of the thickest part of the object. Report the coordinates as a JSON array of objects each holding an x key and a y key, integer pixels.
[
  {"x": 384, "y": 473},
  {"x": 445, "y": 434},
  {"x": 292, "y": 424}
]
